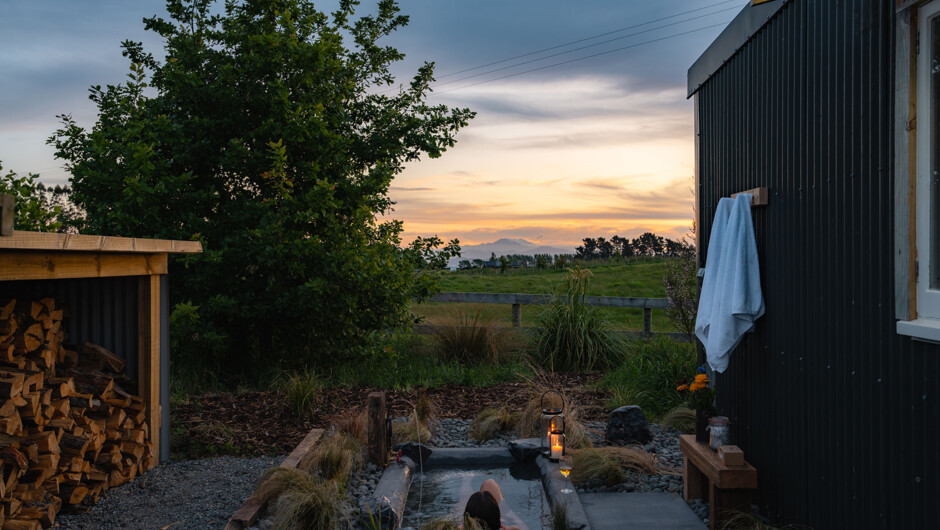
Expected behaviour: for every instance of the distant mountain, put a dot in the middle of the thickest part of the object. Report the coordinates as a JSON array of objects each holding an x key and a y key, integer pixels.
[{"x": 506, "y": 246}]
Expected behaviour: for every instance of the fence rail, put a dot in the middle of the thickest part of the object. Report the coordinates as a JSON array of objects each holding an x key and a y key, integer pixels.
[{"x": 517, "y": 300}]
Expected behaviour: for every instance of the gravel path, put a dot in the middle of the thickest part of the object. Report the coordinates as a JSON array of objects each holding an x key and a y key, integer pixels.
[{"x": 191, "y": 494}]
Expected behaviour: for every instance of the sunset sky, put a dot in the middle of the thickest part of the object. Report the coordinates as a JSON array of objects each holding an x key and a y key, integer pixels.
[{"x": 596, "y": 146}]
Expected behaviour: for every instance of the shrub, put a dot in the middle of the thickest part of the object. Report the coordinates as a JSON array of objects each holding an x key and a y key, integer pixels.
[
  {"x": 312, "y": 505},
  {"x": 353, "y": 424},
  {"x": 301, "y": 392},
  {"x": 649, "y": 374},
  {"x": 571, "y": 334},
  {"x": 560, "y": 517}
]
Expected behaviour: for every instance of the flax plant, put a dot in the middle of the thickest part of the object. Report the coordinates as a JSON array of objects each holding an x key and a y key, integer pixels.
[{"x": 572, "y": 334}]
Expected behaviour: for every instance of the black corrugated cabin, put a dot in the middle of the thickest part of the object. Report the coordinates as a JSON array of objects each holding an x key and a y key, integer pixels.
[{"x": 833, "y": 106}]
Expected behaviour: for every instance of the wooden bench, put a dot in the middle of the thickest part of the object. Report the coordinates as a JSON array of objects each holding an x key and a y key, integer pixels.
[{"x": 706, "y": 477}]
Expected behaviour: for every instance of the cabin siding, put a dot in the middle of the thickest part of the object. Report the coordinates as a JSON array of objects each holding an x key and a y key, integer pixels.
[{"x": 839, "y": 414}]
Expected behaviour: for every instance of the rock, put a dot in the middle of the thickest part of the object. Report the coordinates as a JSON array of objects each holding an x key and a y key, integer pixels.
[
  {"x": 628, "y": 425},
  {"x": 525, "y": 449},
  {"x": 412, "y": 451}
]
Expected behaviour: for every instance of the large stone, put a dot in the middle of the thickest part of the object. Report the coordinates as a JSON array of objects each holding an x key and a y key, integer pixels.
[
  {"x": 525, "y": 449},
  {"x": 627, "y": 425},
  {"x": 415, "y": 451}
]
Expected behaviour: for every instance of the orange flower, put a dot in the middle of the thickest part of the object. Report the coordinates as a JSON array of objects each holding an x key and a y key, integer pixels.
[
  {"x": 697, "y": 386},
  {"x": 701, "y": 378},
  {"x": 682, "y": 388}
]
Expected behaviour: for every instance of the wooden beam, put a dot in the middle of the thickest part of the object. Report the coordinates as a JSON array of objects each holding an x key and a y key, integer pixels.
[
  {"x": 759, "y": 196},
  {"x": 26, "y": 265},
  {"x": 299, "y": 458},
  {"x": 378, "y": 449},
  {"x": 148, "y": 353},
  {"x": 88, "y": 243}
]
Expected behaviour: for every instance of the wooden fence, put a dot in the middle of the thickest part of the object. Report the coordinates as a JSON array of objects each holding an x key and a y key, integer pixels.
[{"x": 517, "y": 300}]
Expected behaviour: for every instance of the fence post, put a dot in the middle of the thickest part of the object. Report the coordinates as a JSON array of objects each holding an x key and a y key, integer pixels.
[
  {"x": 516, "y": 315},
  {"x": 647, "y": 321},
  {"x": 378, "y": 452},
  {"x": 7, "y": 204}
]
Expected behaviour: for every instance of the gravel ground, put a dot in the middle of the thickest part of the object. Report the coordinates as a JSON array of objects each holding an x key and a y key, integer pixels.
[{"x": 191, "y": 494}]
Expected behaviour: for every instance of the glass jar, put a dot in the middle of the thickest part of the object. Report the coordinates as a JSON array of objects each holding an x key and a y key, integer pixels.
[{"x": 719, "y": 432}]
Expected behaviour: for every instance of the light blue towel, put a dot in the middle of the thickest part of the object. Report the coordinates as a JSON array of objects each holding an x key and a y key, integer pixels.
[{"x": 731, "y": 297}]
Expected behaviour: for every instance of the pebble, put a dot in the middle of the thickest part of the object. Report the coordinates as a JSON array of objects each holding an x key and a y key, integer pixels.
[{"x": 183, "y": 495}]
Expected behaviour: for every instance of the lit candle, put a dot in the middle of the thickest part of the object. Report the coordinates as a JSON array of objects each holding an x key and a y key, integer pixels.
[{"x": 557, "y": 448}]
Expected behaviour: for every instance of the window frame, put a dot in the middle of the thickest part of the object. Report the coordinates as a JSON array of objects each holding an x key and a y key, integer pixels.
[{"x": 917, "y": 308}]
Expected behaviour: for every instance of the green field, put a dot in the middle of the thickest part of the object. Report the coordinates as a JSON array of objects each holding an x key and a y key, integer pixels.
[{"x": 643, "y": 279}]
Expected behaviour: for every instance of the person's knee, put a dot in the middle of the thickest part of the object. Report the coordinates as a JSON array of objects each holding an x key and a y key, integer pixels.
[{"x": 490, "y": 485}]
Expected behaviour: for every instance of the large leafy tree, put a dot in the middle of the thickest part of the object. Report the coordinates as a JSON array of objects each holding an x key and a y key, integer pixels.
[{"x": 268, "y": 133}]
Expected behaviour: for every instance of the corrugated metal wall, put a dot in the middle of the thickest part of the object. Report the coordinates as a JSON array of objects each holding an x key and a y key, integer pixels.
[
  {"x": 100, "y": 310},
  {"x": 840, "y": 415}
]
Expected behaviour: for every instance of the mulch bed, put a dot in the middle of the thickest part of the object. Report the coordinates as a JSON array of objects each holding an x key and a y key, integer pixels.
[{"x": 256, "y": 423}]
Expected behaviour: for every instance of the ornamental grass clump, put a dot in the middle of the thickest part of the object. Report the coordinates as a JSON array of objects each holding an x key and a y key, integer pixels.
[
  {"x": 571, "y": 335},
  {"x": 680, "y": 418},
  {"x": 300, "y": 500},
  {"x": 338, "y": 456},
  {"x": 410, "y": 431},
  {"x": 300, "y": 391},
  {"x": 491, "y": 422},
  {"x": 590, "y": 465},
  {"x": 472, "y": 339}
]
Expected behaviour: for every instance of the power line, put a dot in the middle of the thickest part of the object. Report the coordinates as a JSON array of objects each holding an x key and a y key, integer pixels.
[
  {"x": 587, "y": 38},
  {"x": 587, "y": 57},
  {"x": 580, "y": 48}
]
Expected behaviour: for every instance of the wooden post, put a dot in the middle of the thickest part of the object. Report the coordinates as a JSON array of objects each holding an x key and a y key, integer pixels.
[
  {"x": 7, "y": 205},
  {"x": 647, "y": 320},
  {"x": 378, "y": 452},
  {"x": 516, "y": 315},
  {"x": 148, "y": 353}
]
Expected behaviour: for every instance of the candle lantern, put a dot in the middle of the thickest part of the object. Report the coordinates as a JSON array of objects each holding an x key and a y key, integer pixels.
[
  {"x": 557, "y": 440},
  {"x": 552, "y": 421}
]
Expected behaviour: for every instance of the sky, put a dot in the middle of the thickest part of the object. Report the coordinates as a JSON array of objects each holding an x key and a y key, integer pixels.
[{"x": 598, "y": 146}]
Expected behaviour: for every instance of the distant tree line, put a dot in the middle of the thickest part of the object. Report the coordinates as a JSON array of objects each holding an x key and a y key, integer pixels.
[{"x": 647, "y": 244}]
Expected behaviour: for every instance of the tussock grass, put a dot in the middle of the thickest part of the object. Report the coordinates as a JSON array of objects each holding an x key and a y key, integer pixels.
[
  {"x": 592, "y": 464},
  {"x": 316, "y": 505},
  {"x": 529, "y": 422},
  {"x": 634, "y": 458},
  {"x": 337, "y": 456},
  {"x": 560, "y": 517},
  {"x": 470, "y": 338},
  {"x": 409, "y": 431},
  {"x": 300, "y": 500},
  {"x": 681, "y": 419},
  {"x": 301, "y": 392},
  {"x": 353, "y": 424},
  {"x": 572, "y": 335},
  {"x": 490, "y": 422},
  {"x": 426, "y": 408},
  {"x": 607, "y": 464}
]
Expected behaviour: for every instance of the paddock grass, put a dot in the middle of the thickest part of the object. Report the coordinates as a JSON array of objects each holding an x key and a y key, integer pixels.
[{"x": 639, "y": 279}]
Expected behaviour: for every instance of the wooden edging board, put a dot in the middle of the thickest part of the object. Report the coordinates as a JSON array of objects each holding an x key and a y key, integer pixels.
[{"x": 252, "y": 510}]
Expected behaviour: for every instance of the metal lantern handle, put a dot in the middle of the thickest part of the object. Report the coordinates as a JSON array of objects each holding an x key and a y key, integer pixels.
[{"x": 542, "y": 400}]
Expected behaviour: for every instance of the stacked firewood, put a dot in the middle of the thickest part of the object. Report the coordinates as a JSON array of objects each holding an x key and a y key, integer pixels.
[{"x": 68, "y": 428}]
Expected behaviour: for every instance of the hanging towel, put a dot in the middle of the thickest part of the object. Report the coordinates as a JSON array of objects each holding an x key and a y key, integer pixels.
[{"x": 731, "y": 298}]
